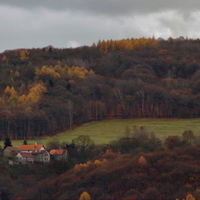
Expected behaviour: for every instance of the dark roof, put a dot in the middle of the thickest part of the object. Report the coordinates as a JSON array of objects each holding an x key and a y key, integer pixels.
[
  {"x": 26, "y": 155},
  {"x": 12, "y": 148}
]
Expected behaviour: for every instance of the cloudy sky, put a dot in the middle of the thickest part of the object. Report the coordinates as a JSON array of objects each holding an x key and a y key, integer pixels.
[{"x": 71, "y": 23}]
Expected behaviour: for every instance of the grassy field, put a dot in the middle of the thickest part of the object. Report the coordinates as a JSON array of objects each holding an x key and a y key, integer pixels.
[{"x": 104, "y": 131}]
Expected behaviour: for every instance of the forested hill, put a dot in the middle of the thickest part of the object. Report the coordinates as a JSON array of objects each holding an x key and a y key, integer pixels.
[
  {"x": 162, "y": 175},
  {"x": 45, "y": 91}
]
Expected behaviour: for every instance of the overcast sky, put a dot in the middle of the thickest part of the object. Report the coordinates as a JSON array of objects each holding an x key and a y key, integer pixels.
[{"x": 71, "y": 23}]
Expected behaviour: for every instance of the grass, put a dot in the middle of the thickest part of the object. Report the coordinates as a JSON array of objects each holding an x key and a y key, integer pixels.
[{"x": 103, "y": 132}]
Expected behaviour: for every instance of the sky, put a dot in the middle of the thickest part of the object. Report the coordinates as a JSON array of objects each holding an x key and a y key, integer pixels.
[{"x": 73, "y": 23}]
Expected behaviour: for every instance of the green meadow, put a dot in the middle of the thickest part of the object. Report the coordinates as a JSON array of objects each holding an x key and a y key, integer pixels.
[{"x": 103, "y": 132}]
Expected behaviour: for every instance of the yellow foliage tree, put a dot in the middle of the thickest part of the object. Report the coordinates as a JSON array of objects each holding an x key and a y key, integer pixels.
[
  {"x": 11, "y": 96},
  {"x": 4, "y": 58},
  {"x": 10, "y": 91},
  {"x": 46, "y": 72},
  {"x": 97, "y": 162},
  {"x": 104, "y": 46},
  {"x": 17, "y": 74},
  {"x": 61, "y": 70},
  {"x": 36, "y": 93},
  {"x": 24, "y": 54},
  {"x": 79, "y": 72},
  {"x": 80, "y": 166},
  {"x": 7, "y": 90},
  {"x": 142, "y": 160},
  {"x": 13, "y": 92},
  {"x": 126, "y": 44},
  {"x": 22, "y": 99},
  {"x": 85, "y": 196},
  {"x": 13, "y": 100},
  {"x": 189, "y": 197}
]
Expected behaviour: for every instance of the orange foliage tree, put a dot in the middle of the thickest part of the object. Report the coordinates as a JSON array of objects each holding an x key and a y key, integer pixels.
[{"x": 85, "y": 196}]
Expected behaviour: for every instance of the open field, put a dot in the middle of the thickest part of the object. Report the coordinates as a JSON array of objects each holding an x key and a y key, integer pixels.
[{"x": 103, "y": 132}]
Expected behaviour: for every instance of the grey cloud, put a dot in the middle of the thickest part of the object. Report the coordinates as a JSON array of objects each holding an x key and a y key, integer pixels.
[
  {"x": 180, "y": 24},
  {"x": 109, "y": 7},
  {"x": 62, "y": 23}
]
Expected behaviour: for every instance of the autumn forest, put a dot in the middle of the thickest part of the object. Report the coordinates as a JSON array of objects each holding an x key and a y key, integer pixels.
[{"x": 45, "y": 91}]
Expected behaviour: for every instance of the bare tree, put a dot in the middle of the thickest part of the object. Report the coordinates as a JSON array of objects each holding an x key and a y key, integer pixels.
[{"x": 70, "y": 106}]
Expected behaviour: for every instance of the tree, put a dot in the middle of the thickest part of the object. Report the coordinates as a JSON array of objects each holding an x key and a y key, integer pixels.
[
  {"x": 83, "y": 141},
  {"x": 23, "y": 54},
  {"x": 4, "y": 58},
  {"x": 120, "y": 97},
  {"x": 142, "y": 161},
  {"x": 22, "y": 99},
  {"x": 55, "y": 144},
  {"x": 25, "y": 142},
  {"x": 174, "y": 141},
  {"x": 10, "y": 91},
  {"x": 70, "y": 112},
  {"x": 85, "y": 196},
  {"x": 7, "y": 143},
  {"x": 46, "y": 73},
  {"x": 79, "y": 72},
  {"x": 188, "y": 136},
  {"x": 35, "y": 93},
  {"x": 190, "y": 197}
]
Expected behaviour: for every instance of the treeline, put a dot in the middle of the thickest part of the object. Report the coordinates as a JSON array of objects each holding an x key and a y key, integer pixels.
[
  {"x": 45, "y": 91},
  {"x": 125, "y": 44}
]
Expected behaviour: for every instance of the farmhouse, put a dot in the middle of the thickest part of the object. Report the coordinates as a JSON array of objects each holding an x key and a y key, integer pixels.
[
  {"x": 24, "y": 158},
  {"x": 10, "y": 151},
  {"x": 31, "y": 154},
  {"x": 59, "y": 154}
]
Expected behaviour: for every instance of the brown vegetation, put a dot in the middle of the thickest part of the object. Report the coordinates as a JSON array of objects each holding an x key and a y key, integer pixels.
[
  {"x": 43, "y": 92},
  {"x": 165, "y": 175}
]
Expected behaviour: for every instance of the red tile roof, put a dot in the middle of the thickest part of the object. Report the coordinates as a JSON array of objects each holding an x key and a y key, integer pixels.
[
  {"x": 57, "y": 151},
  {"x": 26, "y": 155},
  {"x": 30, "y": 147}
]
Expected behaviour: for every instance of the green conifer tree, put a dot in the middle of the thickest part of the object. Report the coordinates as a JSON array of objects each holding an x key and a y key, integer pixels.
[
  {"x": 7, "y": 142},
  {"x": 25, "y": 142}
]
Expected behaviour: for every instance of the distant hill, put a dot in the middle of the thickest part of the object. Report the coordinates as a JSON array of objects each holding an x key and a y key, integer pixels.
[{"x": 48, "y": 90}]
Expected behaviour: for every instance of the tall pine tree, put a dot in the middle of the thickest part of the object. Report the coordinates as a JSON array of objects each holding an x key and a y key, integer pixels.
[{"x": 7, "y": 142}]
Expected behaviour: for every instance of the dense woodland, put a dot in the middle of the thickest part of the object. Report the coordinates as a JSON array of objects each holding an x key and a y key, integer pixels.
[
  {"x": 49, "y": 90},
  {"x": 162, "y": 174},
  {"x": 45, "y": 91}
]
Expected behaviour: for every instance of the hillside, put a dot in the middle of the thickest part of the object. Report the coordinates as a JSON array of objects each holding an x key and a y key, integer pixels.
[
  {"x": 46, "y": 91},
  {"x": 162, "y": 175},
  {"x": 138, "y": 166}
]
